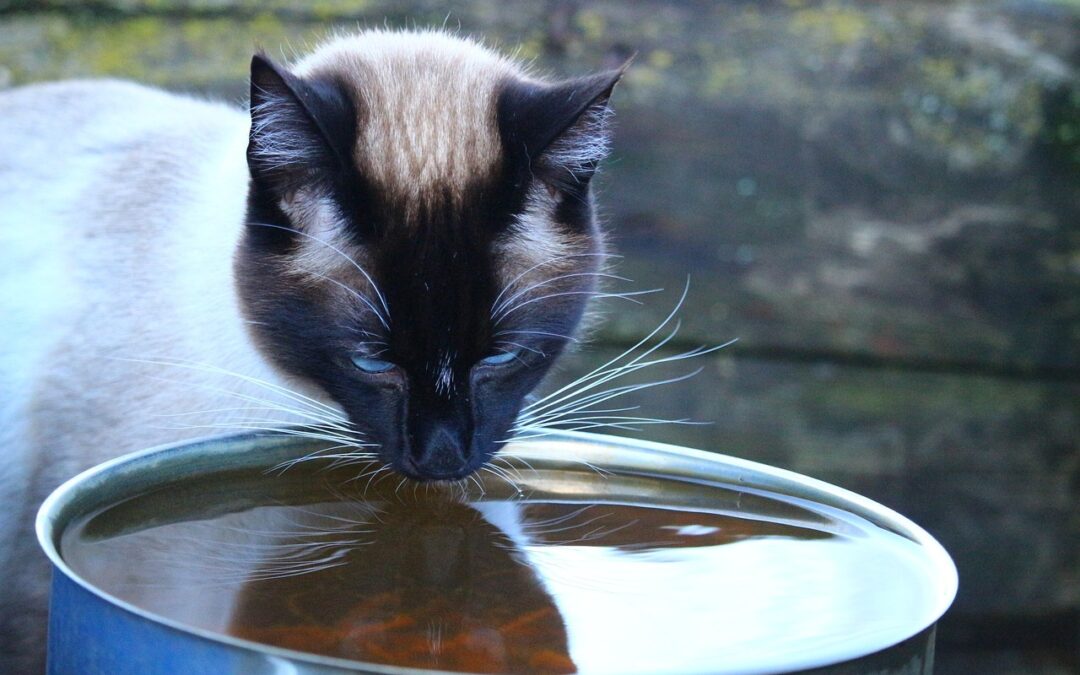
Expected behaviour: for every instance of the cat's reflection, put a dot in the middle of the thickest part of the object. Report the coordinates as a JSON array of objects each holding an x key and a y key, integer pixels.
[
  {"x": 430, "y": 582},
  {"x": 422, "y": 580},
  {"x": 426, "y": 582}
]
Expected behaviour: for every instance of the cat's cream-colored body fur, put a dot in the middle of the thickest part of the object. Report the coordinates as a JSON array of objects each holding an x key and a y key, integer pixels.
[{"x": 120, "y": 209}]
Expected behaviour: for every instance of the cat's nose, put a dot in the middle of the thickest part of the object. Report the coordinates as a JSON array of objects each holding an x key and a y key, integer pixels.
[{"x": 440, "y": 456}]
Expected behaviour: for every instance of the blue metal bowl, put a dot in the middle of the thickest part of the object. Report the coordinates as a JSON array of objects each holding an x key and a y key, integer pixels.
[{"x": 92, "y": 632}]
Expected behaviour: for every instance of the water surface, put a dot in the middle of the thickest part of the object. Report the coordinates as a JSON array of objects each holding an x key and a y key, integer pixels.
[{"x": 579, "y": 572}]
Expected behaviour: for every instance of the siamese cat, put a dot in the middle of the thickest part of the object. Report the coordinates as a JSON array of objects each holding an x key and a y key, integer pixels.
[{"x": 394, "y": 243}]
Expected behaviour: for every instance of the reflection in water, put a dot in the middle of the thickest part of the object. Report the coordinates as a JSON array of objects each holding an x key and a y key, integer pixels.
[
  {"x": 548, "y": 583},
  {"x": 434, "y": 585}
]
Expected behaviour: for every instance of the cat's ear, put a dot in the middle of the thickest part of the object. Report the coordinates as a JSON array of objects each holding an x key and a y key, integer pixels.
[
  {"x": 298, "y": 126},
  {"x": 561, "y": 130}
]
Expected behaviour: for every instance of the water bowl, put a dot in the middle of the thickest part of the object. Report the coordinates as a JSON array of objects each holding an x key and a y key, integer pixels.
[{"x": 572, "y": 553}]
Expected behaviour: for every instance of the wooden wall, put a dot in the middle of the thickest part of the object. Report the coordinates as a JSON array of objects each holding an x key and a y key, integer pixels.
[{"x": 880, "y": 200}]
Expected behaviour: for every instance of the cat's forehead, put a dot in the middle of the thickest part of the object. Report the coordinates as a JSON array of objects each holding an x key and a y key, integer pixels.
[
  {"x": 426, "y": 107},
  {"x": 439, "y": 216}
]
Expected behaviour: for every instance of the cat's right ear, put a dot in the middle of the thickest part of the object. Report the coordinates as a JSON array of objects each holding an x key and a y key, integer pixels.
[
  {"x": 561, "y": 130},
  {"x": 299, "y": 127}
]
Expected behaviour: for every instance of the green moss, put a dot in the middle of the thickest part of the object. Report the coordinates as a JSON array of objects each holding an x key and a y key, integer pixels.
[
  {"x": 592, "y": 24},
  {"x": 644, "y": 77},
  {"x": 722, "y": 76},
  {"x": 979, "y": 114},
  {"x": 154, "y": 49},
  {"x": 661, "y": 59},
  {"x": 326, "y": 10},
  {"x": 131, "y": 47},
  {"x": 833, "y": 24}
]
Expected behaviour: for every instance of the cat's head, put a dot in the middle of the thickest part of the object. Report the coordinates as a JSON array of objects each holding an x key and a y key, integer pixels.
[{"x": 421, "y": 242}]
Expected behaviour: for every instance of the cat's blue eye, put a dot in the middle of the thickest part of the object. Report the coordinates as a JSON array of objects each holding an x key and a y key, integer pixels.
[
  {"x": 500, "y": 358},
  {"x": 370, "y": 365}
]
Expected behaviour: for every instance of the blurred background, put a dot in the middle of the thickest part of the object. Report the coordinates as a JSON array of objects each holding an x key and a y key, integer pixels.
[{"x": 880, "y": 200}]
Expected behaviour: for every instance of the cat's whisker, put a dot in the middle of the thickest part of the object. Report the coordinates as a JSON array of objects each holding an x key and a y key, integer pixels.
[
  {"x": 572, "y": 386},
  {"x": 585, "y": 403},
  {"x": 592, "y": 426},
  {"x": 318, "y": 407},
  {"x": 529, "y": 525},
  {"x": 502, "y": 476},
  {"x": 479, "y": 485},
  {"x": 580, "y": 396},
  {"x": 599, "y": 471},
  {"x": 345, "y": 458},
  {"x": 526, "y": 419},
  {"x": 341, "y": 431},
  {"x": 584, "y": 410},
  {"x": 533, "y": 434},
  {"x": 576, "y": 406},
  {"x": 324, "y": 453},
  {"x": 574, "y": 401},
  {"x": 568, "y": 338},
  {"x": 210, "y": 576},
  {"x": 351, "y": 291},
  {"x": 516, "y": 470},
  {"x": 389, "y": 473},
  {"x": 384, "y": 316},
  {"x": 599, "y": 376},
  {"x": 523, "y": 347},
  {"x": 550, "y": 261},
  {"x": 350, "y": 458},
  {"x": 589, "y": 401},
  {"x": 309, "y": 419},
  {"x": 256, "y": 426},
  {"x": 529, "y": 420},
  {"x": 532, "y": 530},
  {"x": 506, "y": 470},
  {"x": 629, "y": 296},
  {"x": 505, "y": 463},
  {"x": 233, "y": 414},
  {"x": 279, "y": 551},
  {"x": 216, "y": 411},
  {"x": 295, "y": 396},
  {"x": 575, "y": 423},
  {"x": 616, "y": 419},
  {"x": 283, "y": 430},
  {"x": 303, "y": 530},
  {"x": 339, "y": 459},
  {"x": 550, "y": 280},
  {"x": 219, "y": 558},
  {"x": 370, "y": 475}
]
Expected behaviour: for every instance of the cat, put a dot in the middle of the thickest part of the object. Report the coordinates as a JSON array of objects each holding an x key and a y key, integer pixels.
[{"x": 393, "y": 245}]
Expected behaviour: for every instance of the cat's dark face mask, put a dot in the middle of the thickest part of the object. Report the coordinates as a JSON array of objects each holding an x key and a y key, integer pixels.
[{"x": 427, "y": 316}]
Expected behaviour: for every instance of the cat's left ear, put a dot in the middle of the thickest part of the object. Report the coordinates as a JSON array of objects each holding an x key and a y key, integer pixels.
[
  {"x": 297, "y": 125},
  {"x": 560, "y": 131}
]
